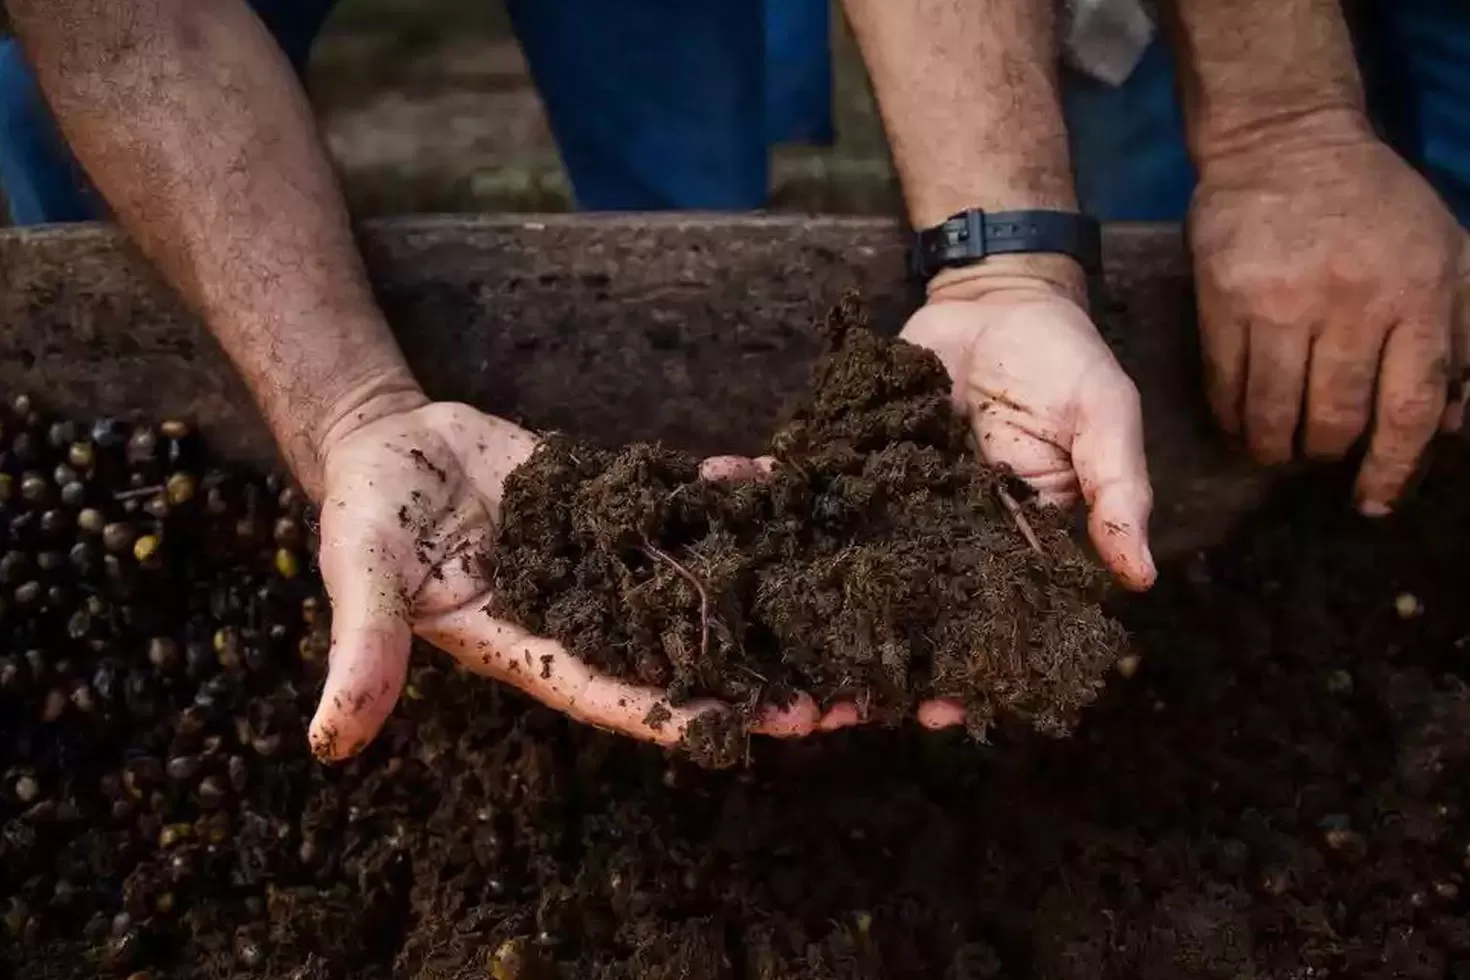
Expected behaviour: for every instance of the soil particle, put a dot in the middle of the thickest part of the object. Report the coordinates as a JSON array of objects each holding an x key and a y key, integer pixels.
[{"x": 877, "y": 564}]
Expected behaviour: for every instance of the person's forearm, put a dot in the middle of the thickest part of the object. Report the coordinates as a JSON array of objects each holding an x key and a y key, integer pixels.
[
  {"x": 189, "y": 120},
  {"x": 970, "y": 99},
  {"x": 1251, "y": 70}
]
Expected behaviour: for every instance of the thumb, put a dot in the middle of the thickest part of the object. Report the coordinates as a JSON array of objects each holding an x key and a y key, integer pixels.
[
  {"x": 1459, "y": 370},
  {"x": 370, "y": 644},
  {"x": 1108, "y": 455}
]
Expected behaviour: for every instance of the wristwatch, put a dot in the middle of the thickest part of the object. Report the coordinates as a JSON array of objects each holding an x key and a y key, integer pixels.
[{"x": 973, "y": 236}]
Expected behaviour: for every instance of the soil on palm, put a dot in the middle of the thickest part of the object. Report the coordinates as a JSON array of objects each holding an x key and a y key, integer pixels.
[{"x": 875, "y": 564}]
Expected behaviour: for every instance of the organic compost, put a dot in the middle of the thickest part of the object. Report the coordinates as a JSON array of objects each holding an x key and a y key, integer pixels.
[
  {"x": 877, "y": 563},
  {"x": 1274, "y": 785}
]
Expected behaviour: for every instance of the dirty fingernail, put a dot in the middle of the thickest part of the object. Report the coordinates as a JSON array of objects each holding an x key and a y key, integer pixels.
[{"x": 1373, "y": 508}]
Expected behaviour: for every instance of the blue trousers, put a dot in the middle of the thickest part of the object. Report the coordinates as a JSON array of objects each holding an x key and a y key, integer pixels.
[
  {"x": 655, "y": 104},
  {"x": 1128, "y": 142}
]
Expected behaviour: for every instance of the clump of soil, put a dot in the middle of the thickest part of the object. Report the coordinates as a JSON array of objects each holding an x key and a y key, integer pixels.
[{"x": 877, "y": 564}]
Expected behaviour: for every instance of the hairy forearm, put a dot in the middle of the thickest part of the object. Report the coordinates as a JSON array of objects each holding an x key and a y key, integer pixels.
[
  {"x": 190, "y": 122},
  {"x": 1252, "y": 69},
  {"x": 969, "y": 95}
]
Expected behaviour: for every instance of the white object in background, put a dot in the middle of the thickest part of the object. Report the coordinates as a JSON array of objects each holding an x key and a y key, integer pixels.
[{"x": 1105, "y": 38}]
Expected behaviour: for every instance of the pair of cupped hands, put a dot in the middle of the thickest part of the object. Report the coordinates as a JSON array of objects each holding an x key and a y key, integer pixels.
[{"x": 1327, "y": 279}]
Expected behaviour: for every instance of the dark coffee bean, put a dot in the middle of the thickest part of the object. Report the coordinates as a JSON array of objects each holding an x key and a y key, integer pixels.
[
  {"x": 105, "y": 680},
  {"x": 239, "y": 776},
  {"x": 181, "y": 488},
  {"x": 146, "y": 550},
  {"x": 61, "y": 434},
  {"x": 142, "y": 447},
  {"x": 140, "y": 694},
  {"x": 27, "y": 789},
  {"x": 163, "y": 652},
  {"x": 198, "y": 657},
  {"x": 81, "y": 456},
  {"x": 79, "y": 625},
  {"x": 91, "y": 521},
  {"x": 96, "y": 928},
  {"x": 211, "y": 793},
  {"x": 183, "y": 768},
  {"x": 227, "y": 647},
  {"x": 109, "y": 433},
  {"x": 50, "y": 561},
  {"x": 29, "y": 593},
  {"x": 11, "y": 674},
  {"x": 63, "y": 475},
  {"x": 13, "y": 567},
  {"x": 55, "y": 523},
  {"x": 34, "y": 488},
  {"x": 73, "y": 494},
  {"x": 124, "y": 951},
  {"x": 83, "y": 699},
  {"x": 85, "y": 558},
  {"x": 23, "y": 447},
  {"x": 118, "y": 537}
]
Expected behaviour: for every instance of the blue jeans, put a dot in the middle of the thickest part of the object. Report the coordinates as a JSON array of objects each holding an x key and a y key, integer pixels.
[
  {"x": 1128, "y": 143},
  {"x": 654, "y": 103}
]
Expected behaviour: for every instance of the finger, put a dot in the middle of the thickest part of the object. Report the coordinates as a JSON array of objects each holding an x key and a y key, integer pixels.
[
  {"x": 796, "y": 720},
  {"x": 1454, "y": 412},
  {"x": 842, "y": 715},
  {"x": 546, "y": 671},
  {"x": 370, "y": 644},
  {"x": 1274, "y": 388},
  {"x": 733, "y": 468},
  {"x": 1225, "y": 344},
  {"x": 1411, "y": 400},
  {"x": 1108, "y": 455},
  {"x": 1339, "y": 391},
  {"x": 941, "y": 713}
]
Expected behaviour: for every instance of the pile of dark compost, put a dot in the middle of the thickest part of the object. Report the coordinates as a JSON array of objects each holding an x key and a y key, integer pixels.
[
  {"x": 877, "y": 564},
  {"x": 1278, "y": 791}
]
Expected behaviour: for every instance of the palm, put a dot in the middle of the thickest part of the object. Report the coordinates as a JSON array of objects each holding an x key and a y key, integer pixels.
[
  {"x": 411, "y": 507},
  {"x": 1045, "y": 396}
]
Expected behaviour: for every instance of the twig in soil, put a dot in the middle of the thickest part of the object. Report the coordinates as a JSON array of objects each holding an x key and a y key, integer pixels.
[
  {"x": 139, "y": 492},
  {"x": 653, "y": 551},
  {"x": 1022, "y": 525}
]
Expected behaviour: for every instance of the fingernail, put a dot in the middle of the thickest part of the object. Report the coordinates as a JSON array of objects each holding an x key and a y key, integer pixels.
[{"x": 1374, "y": 508}]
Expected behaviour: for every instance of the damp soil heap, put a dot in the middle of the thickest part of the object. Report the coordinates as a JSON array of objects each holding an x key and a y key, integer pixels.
[
  {"x": 877, "y": 563},
  {"x": 1280, "y": 790}
]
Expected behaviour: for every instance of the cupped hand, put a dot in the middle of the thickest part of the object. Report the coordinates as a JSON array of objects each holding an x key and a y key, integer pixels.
[
  {"x": 1045, "y": 396},
  {"x": 1325, "y": 269},
  {"x": 409, "y": 508}
]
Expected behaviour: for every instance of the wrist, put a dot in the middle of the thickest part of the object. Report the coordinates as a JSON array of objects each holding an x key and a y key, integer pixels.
[
  {"x": 1250, "y": 143},
  {"x": 368, "y": 398},
  {"x": 1059, "y": 275}
]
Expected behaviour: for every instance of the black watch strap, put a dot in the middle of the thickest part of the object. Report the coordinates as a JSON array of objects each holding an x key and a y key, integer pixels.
[{"x": 973, "y": 236}]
